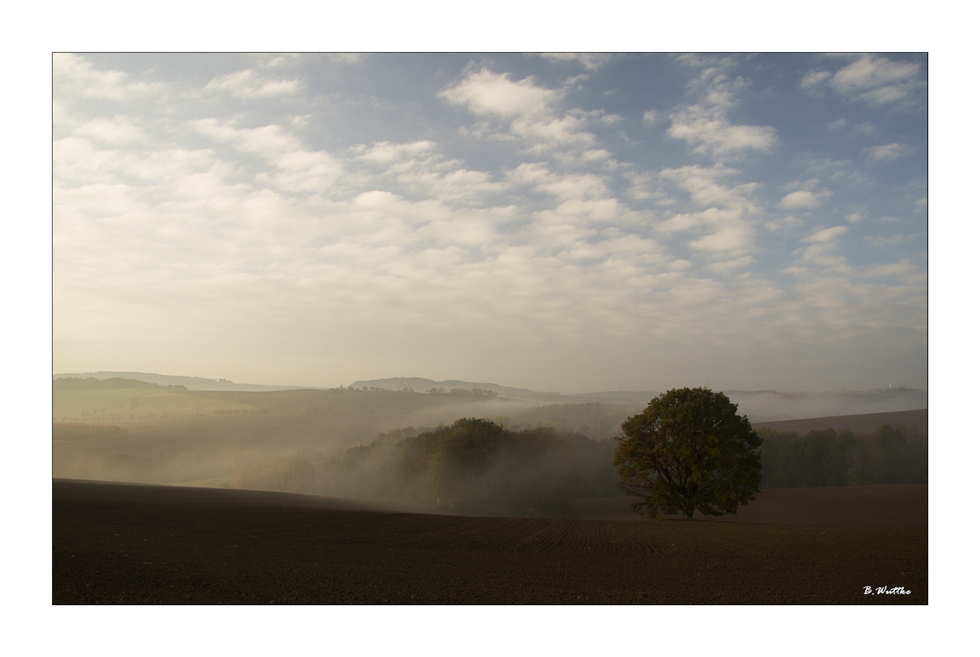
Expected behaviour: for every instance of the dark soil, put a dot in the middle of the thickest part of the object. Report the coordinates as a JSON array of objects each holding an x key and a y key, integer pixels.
[
  {"x": 140, "y": 544},
  {"x": 900, "y": 505}
]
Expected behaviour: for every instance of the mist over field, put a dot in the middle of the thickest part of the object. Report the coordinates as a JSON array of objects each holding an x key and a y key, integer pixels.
[
  {"x": 769, "y": 405},
  {"x": 161, "y": 434},
  {"x": 466, "y": 449},
  {"x": 758, "y": 405},
  {"x": 184, "y": 436}
]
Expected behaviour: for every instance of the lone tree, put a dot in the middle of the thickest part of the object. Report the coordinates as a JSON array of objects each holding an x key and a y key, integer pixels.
[{"x": 689, "y": 451}]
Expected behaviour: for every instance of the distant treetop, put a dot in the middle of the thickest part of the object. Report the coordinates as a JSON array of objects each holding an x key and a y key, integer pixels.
[{"x": 102, "y": 384}]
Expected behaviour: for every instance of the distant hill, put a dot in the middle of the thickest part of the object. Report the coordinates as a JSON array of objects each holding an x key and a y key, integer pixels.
[
  {"x": 189, "y": 382},
  {"x": 112, "y": 383},
  {"x": 612, "y": 397},
  {"x": 859, "y": 424},
  {"x": 425, "y": 385},
  {"x": 759, "y": 405}
]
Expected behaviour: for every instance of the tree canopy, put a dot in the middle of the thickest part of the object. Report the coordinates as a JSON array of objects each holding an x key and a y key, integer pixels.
[
  {"x": 476, "y": 467},
  {"x": 688, "y": 451}
]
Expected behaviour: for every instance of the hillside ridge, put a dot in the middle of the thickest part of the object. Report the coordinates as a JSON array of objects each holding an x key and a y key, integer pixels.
[
  {"x": 759, "y": 405},
  {"x": 189, "y": 382}
]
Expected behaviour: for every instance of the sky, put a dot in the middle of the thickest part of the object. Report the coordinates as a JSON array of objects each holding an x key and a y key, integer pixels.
[{"x": 560, "y": 222}]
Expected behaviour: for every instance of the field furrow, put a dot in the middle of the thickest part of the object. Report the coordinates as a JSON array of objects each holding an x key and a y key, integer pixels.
[{"x": 116, "y": 543}]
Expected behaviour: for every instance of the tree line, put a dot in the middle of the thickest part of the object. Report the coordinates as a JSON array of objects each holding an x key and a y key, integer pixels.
[
  {"x": 889, "y": 455},
  {"x": 473, "y": 392},
  {"x": 476, "y": 467},
  {"x": 473, "y": 467},
  {"x": 687, "y": 451}
]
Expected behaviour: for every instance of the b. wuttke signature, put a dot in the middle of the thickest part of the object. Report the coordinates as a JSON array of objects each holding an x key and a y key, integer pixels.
[{"x": 884, "y": 590}]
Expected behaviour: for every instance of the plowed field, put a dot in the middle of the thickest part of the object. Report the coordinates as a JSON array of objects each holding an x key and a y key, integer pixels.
[
  {"x": 131, "y": 544},
  {"x": 901, "y": 505}
]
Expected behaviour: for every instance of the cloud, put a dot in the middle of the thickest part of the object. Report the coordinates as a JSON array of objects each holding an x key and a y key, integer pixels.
[
  {"x": 346, "y": 57},
  {"x": 268, "y": 140},
  {"x": 903, "y": 270},
  {"x": 572, "y": 186},
  {"x": 82, "y": 162},
  {"x": 116, "y": 131},
  {"x": 825, "y": 235},
  {"x": 727, "y": 266},
  {"x": 296, "y": 168},
  {"x": 818, "y": 165},
  {"x": 706, "y": 187},
  {"x": 787, "y": 223},
  {"x": 530, "y": 173},
  {"x": 385, "y": 152},
  {"x": 724, "y": 213},
  {"x": 642, "y": 188},
  {"x": 871, "y": 79},
  {"x": 865, "y": 129},
  {"x": 601, "y": 117},
  {"x": 803, "y": 199},
  {"x": 589, "y": 61},
  {"x": 715, "y": 88},
  {"x": 705, "y": 125},
  {"x": 887, "y": 152},
  {"x": 708, "y": 131},
  {"x": 813, "y": 79},
  {"x": 303, "y": 171},
  {"x": 729, "y": 237},
  {"x": 547, "y": 133},
  {"x": 421, "y": 172},
  {"x": 248, "y": 84},
  {"x": 885, "y": 241},
  {"x": 530, "y": 114},
  {"x": 279, "y": 61},
  {"x": 459, "y": 185},
  {"x": 821, "y": 251},
  {"x": 710, "y": 69},
  {"x": 183, "y": 225},
  {"x": 870, "y": 72},
  {"x": 74, "y": 76},
  {"x": 487, "y": 93},
  {"x": 419, "y": 169}
]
